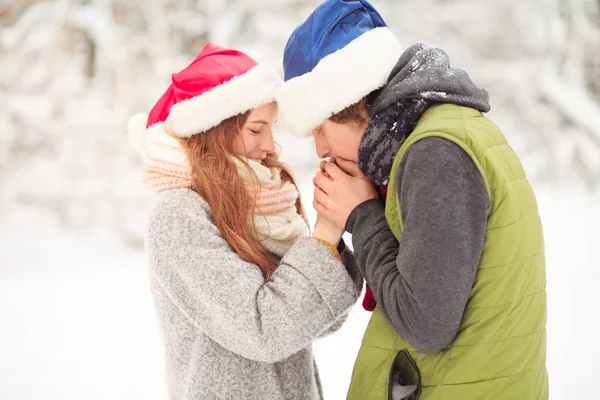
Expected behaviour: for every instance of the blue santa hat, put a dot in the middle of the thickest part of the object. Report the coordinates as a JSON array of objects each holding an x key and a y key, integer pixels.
[{"x": 341, "y": 53}]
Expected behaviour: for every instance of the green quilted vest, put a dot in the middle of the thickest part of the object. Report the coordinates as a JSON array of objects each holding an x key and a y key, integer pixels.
[{"x": 500, "y": 350}]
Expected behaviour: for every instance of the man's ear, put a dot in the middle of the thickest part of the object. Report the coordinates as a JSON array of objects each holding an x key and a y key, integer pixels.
[{"x": 363, "y": 106}]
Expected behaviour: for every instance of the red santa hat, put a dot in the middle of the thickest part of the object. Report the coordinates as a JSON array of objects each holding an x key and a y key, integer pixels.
[{"x": 217, "y": 85}]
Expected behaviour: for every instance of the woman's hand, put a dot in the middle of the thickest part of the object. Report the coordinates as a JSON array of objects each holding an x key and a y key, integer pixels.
[
  {"x": 327, "y": 230},
  {"x": 340, "y": 187}
]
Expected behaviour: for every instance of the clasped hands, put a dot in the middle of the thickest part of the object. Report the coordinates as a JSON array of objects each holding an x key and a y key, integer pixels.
[{"x": 340, "y": 186}]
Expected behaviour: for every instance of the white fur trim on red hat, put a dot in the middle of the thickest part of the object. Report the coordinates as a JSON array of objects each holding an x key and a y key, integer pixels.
[
  {"x": 339, "y": 80},
  {"x": 236, "y": 96}
]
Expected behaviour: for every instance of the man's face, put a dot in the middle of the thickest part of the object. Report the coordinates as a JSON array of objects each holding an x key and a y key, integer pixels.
[{"x": 338, "y": 140}]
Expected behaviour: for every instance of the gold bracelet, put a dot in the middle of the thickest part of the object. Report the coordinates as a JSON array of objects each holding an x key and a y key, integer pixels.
[{"x": 330, "y": 246}]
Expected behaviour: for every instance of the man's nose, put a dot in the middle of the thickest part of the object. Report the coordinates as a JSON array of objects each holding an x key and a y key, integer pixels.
[{"x": 323, "y": 150}]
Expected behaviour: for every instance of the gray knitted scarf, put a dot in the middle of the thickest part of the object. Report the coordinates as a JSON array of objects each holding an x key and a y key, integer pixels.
[{"x": 421, "y": 77}]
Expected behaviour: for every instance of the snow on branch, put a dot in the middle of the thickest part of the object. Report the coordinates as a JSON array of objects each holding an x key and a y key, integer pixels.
[
  {"x": 573, "y": 102},
  {"x": 32, "y": 17}
]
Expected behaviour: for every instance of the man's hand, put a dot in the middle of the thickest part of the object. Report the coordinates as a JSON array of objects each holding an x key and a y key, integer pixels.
[{"x": 340, "y": 186}]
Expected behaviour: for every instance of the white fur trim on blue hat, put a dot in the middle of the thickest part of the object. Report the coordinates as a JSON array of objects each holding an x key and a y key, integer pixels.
[
  {"x": 236, "y": 96},
  {"x": 339, "y": 80}
]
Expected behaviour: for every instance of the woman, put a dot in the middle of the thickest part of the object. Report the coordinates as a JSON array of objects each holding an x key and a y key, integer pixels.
[{"x": 241, "y": 291}]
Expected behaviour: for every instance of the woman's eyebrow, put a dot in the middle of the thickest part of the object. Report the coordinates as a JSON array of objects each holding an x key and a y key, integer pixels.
[{"x": 259, "y": 121}]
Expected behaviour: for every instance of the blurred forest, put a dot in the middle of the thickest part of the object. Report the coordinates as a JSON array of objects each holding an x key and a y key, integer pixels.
[{"x": 72, "y": 72}]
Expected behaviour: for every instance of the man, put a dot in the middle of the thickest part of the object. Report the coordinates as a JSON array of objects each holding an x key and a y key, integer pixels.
[{"x": 449, "y": 240}]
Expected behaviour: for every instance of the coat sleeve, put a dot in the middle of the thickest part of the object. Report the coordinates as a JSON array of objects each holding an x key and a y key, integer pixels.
[
  {"x": 227, "y": 298},
  {"x": 422, "y": 283},
  {"x": 350, "y": 263}
]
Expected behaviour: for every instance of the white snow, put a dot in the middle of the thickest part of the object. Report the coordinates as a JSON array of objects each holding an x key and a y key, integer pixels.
[
  {"x": 427, "y": 94},
  {"x": 77, "y": 318},
  {"x": 78, "y": 321}
]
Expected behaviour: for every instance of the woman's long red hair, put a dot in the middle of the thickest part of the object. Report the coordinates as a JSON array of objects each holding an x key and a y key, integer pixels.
[{"x": 215, "y": 177}]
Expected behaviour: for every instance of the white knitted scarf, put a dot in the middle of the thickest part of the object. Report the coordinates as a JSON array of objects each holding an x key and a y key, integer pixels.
[{"x": 277, "y": 222}]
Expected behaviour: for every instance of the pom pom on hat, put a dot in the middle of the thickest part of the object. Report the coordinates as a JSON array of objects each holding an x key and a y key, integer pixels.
[{"x": 136, "y": 131}]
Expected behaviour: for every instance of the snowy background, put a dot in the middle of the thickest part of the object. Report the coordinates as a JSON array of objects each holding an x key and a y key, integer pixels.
[{"x": 75, "y": 310}]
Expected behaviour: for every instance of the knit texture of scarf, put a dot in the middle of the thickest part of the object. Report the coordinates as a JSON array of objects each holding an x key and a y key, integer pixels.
[
  {"x": 384, "y": 136},
  {"x": 421, "y": 77},
  {"x": 276, "y": 220}
]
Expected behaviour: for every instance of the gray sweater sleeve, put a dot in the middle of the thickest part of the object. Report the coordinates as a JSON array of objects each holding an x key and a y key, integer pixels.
[
  {"x": 422, "y": 283},
  {"x": 356, "y": 276},
  {"x": 351, "y": 265},
  {"x": 227, "y": 298}
]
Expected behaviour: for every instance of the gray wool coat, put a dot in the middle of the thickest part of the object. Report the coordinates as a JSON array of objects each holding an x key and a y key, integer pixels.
[{"x": 228, "y": 334}]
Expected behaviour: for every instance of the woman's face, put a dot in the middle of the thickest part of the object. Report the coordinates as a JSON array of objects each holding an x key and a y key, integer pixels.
[{"x": 256, "y": 137}]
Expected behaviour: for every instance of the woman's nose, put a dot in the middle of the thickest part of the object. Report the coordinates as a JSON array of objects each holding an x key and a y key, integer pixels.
[{"x": 268, "y": 144}]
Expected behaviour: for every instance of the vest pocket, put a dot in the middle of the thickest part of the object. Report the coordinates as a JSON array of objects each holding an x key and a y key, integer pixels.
[{"x": 405, "y": 378}]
